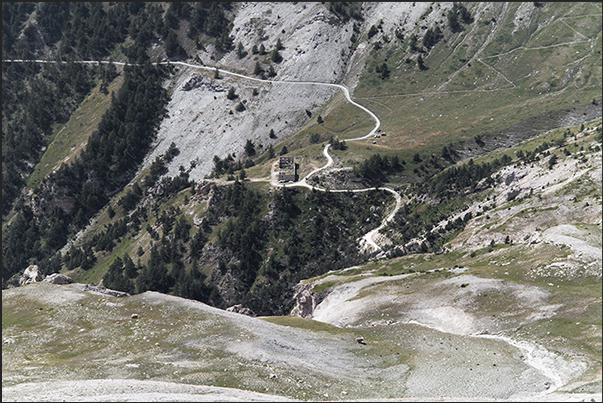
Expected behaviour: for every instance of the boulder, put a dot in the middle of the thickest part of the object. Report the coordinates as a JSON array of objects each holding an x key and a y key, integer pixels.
[
  {"x": 241, "y": 309},
  {"x": 58, "y": 278},
  {"x": 31, "y": 275},
  {"x": 103, "y": 290},
  {"x": 360, "y": 340},
  {"x": 513, "y": 194}
]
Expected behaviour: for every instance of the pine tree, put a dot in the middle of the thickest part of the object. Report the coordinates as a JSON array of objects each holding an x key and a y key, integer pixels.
[
  {"x": 420, "y": 63},
  {"x": 231, "y": 94},
  {"x": 249, "y": 148},
  {"x": 453, "y": 21},
  {"x": 258, "y": 69},
  {"x": 241, "y": 51},
  {"x": 465, "y": 14},
  {"x": 384, "y": 71},
  {"x": 130, "y": 268},
  {"x": 276, "y": 56},
  {"x": 271, "y": 72},
  {"x": 172, "y": 46},
  {"x": 413, "y": 43}
]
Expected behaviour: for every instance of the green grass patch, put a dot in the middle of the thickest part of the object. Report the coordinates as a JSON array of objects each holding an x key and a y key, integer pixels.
[
  {"x": 306, "y": 324},
  {"x": 341, "y": 120},
  {"x": 588, "y": 25},
  {"x": 324, "y": 285},
  {"x": 69, "y": 139},
  {"x": 456, "y": 100}
]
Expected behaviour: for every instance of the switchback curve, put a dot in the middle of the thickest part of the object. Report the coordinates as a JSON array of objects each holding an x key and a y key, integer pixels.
[{"x": 367, "y": 241}]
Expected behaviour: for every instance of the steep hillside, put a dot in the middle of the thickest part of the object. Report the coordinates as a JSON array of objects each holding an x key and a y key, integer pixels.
[
  {"x": 470, "y": 84},
  {"x": 317, "y": 47},
  {"x": 411, "y": 63},
  {"x": 504, "y": 319},
  {"x": 526, "y": 270},
  {"x": 434, "y": 235}
]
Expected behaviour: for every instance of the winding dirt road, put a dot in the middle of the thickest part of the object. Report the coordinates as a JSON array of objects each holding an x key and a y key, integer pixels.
[{"x": 367, "y": 241}]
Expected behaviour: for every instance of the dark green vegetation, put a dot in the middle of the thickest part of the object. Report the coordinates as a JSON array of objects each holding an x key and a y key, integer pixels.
[
  {"x": 264, "y": 243},
  {"x": 346, "y": 10},
  {"x": 37, "y": 96},
  {"x": 445, "y": 95},
  {"x": 500, "y": 269},
  {"x": 69, "y": 197},
  {"x": 302, "y": 236},
  {"x": 463, "y": 88},
  {"x": 264, "y": 256}
]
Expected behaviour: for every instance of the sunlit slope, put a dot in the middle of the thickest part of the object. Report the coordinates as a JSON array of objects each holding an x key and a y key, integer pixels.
[
  {"x": 516, "y": 61},
  {"x": 93, "y": 339},
  {"x": 70, "y": 139},
  {"x": 526, "y": 269}
]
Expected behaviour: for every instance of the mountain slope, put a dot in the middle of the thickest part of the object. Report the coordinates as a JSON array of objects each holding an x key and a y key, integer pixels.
[
  {"x": 525, "y": 270},
  {"x": 471, "y": 84},
  {"x": 485, "y": 283},
  {"x": 516, "y": 321}
]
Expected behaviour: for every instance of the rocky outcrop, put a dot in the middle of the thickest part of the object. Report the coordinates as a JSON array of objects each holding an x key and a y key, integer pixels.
[
  {"x": 50, "y": 197},
  {"x": 305, "y": 301},
  {"x": 203, "y": 191},
  {"x": 58, "y": 278},
  {"x": 513, "y": 194},
  {"x": 198, "y": 81},
  {"x": 102, "y": 290},
  {"x": 31, "y": 275},
  {"x": 241, "y": 309}
]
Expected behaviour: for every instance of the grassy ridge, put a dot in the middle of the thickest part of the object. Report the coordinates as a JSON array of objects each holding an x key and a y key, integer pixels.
[{"x": 522, "y": 72}]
